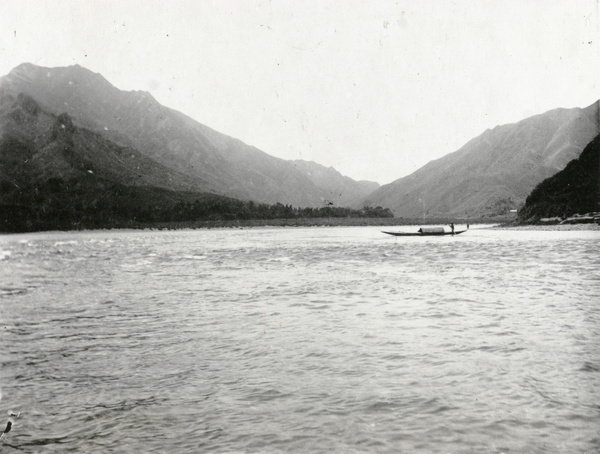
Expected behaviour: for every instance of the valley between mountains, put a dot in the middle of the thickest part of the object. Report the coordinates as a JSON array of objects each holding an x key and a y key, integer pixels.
[{"x": 77, "y": 152}]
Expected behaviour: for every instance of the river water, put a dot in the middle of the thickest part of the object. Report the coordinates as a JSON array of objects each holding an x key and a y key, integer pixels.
[{"x": 300, "y": 340}]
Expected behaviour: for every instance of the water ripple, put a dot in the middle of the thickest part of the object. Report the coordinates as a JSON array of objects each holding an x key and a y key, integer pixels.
[{"x": 308, "y": 340}]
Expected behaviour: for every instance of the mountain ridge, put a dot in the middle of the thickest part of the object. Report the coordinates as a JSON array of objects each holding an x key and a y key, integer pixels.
[
  {"x": 494, "y": 171},
  {"x": 56, "y": 148},
  {"x": 57, "y": 175},
  {"x": 339, "y": 189},
  {"x": 223, "y": 164}
]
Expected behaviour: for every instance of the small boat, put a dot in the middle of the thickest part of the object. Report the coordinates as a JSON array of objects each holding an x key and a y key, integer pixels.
[{"x": 427, "y": 231}]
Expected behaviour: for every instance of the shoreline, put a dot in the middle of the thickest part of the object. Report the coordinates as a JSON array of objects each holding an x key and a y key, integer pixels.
[
  {"x": 551, "y": 228},
  {"x": 280, "y": 222},
  {"x": 325, "y": 222}
]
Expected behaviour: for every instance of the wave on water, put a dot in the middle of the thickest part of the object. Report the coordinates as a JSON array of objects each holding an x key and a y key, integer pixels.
[{"x": 301, "y": 340}]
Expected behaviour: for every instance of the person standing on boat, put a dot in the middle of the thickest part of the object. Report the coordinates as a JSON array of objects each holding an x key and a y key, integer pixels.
[{"x": 452, "y": 227}]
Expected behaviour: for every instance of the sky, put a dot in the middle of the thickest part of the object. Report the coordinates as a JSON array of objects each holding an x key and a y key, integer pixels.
[{"x": 373, "y": 88}]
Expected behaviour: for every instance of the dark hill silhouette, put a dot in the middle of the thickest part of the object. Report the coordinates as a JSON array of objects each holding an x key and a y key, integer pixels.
[
  {"x": 573, "y": 190},
  {"x": 213, "y": 161},
  {"x": 493, "y": 172}
]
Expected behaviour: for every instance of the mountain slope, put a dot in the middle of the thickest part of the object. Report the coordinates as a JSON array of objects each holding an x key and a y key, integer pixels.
[
  {"x": 55, "y": 175},
  {"x": 575, "y": 189},
  {"x": 216, "y": 162},
  {"x": 37, "y": 146},
  {"x": 495, "y": 171},
  {"x": 339, "y": 190}
]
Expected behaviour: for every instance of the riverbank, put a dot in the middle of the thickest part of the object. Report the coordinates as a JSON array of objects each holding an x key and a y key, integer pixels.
[
  {"x": 500, "y": 223},
  {"x": 311, "y": 222},
  {"x": 550, "y": 228}
]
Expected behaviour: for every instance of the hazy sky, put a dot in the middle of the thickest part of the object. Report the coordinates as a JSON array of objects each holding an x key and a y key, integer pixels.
[{"x": 374, "y": 88}]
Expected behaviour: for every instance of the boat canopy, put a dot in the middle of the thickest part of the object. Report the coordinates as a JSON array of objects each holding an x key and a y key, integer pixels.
[{"x": 431, "y": 230}]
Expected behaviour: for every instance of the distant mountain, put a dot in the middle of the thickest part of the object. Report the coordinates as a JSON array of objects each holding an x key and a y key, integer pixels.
[
  {"x": 495, "y": 171},
  {"x": 338, "y": 189},
  {"x": 212, "y": 161},
  {"x": 573, "y": 190}
]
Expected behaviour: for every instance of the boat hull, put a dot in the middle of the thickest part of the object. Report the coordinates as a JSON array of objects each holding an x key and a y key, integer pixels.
[{"x": 424, "y": 234}]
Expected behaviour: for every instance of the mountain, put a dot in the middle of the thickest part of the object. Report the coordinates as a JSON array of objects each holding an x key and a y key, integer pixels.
[
  {"x": 573, "y": 190},
  {"x": 55, "y": 175},
  {"x": 38, "y": 145},
  {"x": 339, "y": 190},
  {"x": 495, "y": 171},
  {"x": 212, "y": 161}
]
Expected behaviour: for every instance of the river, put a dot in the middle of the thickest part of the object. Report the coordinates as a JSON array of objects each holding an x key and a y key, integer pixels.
[{"x": 312, "y": 340}]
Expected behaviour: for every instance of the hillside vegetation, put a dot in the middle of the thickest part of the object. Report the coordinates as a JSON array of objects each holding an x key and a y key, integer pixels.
[
  {"x": 574, "y": 190},
  {"x": 57, "y": 176}
]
